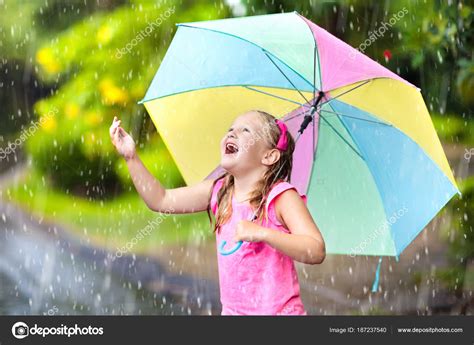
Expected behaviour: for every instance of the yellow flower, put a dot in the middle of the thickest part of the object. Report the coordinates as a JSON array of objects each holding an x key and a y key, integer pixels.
[
  {"x": 48, "y": 123},
  {"x": 45, "y": 58},
  {"x": 111, "y": 94},
  {"x": 71, "y": 110},
  {"x": 104, "y": 34}
]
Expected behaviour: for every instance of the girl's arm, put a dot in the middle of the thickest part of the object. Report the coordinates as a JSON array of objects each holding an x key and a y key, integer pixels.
[
  {"x": 178, "y": 200},
  {"x": 304, "y": 244},
  {"x": 157, "y": 198}
]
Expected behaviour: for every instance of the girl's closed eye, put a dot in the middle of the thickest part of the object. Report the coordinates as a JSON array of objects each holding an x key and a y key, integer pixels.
[{"x": 245, "y": 129}]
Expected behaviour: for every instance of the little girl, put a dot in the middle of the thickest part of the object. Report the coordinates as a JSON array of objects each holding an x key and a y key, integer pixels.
[{"x": 256, "y": 155}]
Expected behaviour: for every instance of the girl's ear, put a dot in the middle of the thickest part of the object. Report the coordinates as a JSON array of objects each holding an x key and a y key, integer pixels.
[{"x": 271, "y": 157}]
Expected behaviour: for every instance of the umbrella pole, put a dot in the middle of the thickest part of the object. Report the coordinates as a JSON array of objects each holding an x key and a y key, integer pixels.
[{"x": 309, "y": 117}]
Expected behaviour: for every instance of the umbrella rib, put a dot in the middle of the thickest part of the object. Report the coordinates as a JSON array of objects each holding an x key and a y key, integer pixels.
[
  {"x": 340, "y": 114},
  {"x": 340, "y": 136},
  {"x": 294, "y": 116},
  {"x": 314, "y": 137},
  {"x": 357, "y": 118},
  {"x": 268, "y": 56},
  {"x": 356, "y": 87},
  {"x": 314, "y": 71},
  {"x": 272, "y": 95}
]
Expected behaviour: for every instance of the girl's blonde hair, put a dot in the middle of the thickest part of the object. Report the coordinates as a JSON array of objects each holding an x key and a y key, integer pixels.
[{"x": 282, "y": 167}]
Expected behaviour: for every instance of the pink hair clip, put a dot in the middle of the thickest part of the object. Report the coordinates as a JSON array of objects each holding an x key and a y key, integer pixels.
[{"x": 283, "y": 140}]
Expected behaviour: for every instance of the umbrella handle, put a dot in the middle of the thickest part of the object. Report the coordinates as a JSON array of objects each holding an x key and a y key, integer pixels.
[{"x": 233, "y": 250}]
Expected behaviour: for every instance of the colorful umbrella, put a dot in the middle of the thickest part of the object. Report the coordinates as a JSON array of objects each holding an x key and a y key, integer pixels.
[{"x": 369, "y": 159}]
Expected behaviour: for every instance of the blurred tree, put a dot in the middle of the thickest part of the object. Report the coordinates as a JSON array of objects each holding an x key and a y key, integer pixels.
[
  {"x": 18, "y": 85},
  {"x": 102, "y": 65},
  {"x": 23, "y": 27},
  {"x": 465, "y": 81},
  {"x": 440, "y": 46}
]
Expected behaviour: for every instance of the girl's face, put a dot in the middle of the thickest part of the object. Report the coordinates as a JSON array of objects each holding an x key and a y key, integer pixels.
[{"x": 246, "y": 144}]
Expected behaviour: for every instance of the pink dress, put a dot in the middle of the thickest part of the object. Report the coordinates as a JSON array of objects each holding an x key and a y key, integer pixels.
[{"x": 257, "y": 279}]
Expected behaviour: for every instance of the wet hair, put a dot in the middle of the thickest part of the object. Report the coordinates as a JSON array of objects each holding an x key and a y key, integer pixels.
[{"x": 279, "y": 171}]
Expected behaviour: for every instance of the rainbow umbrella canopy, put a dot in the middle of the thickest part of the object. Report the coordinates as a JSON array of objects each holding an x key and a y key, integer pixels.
[{"x": 369, "y": 159}]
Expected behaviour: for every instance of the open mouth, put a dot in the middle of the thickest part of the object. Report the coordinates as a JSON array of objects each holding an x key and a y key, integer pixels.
[{"x": 231, "y": 149}]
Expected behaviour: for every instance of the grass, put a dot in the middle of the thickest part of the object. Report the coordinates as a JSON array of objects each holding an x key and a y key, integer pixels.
[{"x": 110, "y": 224}]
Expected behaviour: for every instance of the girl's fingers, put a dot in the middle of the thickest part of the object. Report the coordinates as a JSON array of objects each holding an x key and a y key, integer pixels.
[
  {"x": 122, "y": 131},
  {"x": 115, "y": 125},
  {"x": 113, "y": 131},
  {"x": 116, "y": 131},
  {"x": 116, "y": 135}
]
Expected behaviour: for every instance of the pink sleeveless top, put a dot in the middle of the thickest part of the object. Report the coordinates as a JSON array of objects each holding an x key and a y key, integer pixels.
[{"x": 256, "y": 279}]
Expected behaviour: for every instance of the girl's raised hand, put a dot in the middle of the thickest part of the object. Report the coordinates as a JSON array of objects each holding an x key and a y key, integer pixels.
[{"x": 122, "y": 141}]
